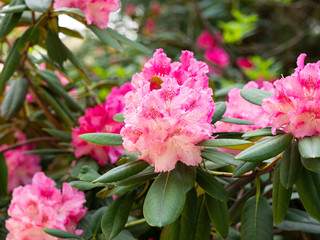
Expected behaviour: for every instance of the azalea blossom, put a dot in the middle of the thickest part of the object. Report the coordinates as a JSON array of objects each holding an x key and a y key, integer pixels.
[
  {"x": 206, "y": 41},
  {"x": 98, "y": 120},
  {"x": 41, "y": 205},
  {"x": 295, "y": 105},
  {"x": 169, "y": 111},
  {"x": 96, "y": 11}
]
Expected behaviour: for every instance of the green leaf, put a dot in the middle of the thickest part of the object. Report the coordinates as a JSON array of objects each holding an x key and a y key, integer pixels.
[
  {"x": 10, "y": 65},
  {"x": 39, "y": 5},
  {"x": 123, "y": 171},
  {"x": 221, "y": 108},
  {"x": 14, "y": 9},
  {"x": 212, "y": 186},
  {"x": 109, "y": 139},
  {"x": 116, "y": 215},
  {"x": 55, "y": 48},
  {"x": 224, "y": 91},
  {"x": 244, "y": 167},
  {"x": 105, "y": 37},
  {"x": 137, "y": 179},
  {"x": 218, "y": 213},
  {"x": 88, "y": 173},
  {"x": 165, "y": 199},
  {"x": 124, "y": 235},
  {"x": 3, "y": 176},
  {"x": 236, "y": 121},
  {"x": 84, "y": 186},
  {"x": 260, "y": 132},
  {"x": 280, "y": 197},
  {"x": 265, "y": 149},
  {"x": 10, "y": 20},
  {"x": 59, "y": 134},
  {"x": 60, "y": 233},
  {"x": 126, "y": 40},
  {"x": 119, "y": 117},
  {"x": 256, "y": 220},
  {"x": 312, "y": 164},
  {"x": 187, "y": 174},
  {"x": 48, "y": 151},
  {"x": 309, "y": 147},
  {"x": 95, "y": 224},
  {"x": 290, "y": 165},
  {"x": 14, "y": 99},
  {"x": 203, "y": 227},
  {"x": 307, "y": 189},
  {"x": 255, "y": 96},
  {"x": 226, "y": 143},
  {"x": 220, "y": 158},
  {"x": 32, "y": 34},
  {"x": 70, "y": 32}
]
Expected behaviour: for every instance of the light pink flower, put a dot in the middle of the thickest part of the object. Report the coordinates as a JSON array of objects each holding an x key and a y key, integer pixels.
[
  {"x": 100, "y": 119},
  {"x": 130, "y": 9},
  {"x": 168, "y": 111},
  {"x": 21, "y": 167},
  {"x": 206, "y": 41},
  {"x": 295, "y": 105},
  {"x": 40, "y": 205},
  {"x": 155, "y": 8},
  {"x": 63, "y": 79},
  {"x": 96, "y": 11}
]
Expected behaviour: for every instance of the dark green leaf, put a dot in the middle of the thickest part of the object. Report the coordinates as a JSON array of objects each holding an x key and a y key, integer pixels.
[
  {"x": 244, "y": 167},
  {"x": 119, "y": 117},
  {"x": 59, "y": 134},
  {"x": 3, "y": 176},
  {"x": 224, "y": 91},
  {"x": 221, "y": 108},
  {"x": 10, "y": 20},
  {"x": 255, "y": 96},
  {"x": 70, "y": 32},
  {"x": 187, "y": 174},
  {"x": 290, "y": 165},
  {"x": 88, "y": 173},
  {"x": 123, "y": 171},
  {"x": 265, "y": 149},
  {"x": 220, "y": 158},
  {"x": 137, "y": 179},
  {"x": 236, "y": 121},
  {"x": 32, "y": 34},
  {"x": 116, "y": 215},
  {"x": 312, "y": 164},
  {"x": 14, "y": 9},
  {"x": 110, "y": 139},
  {"x": 226, "y": 143},
  {"x": 124, "y": 235},
  {"x": 309, "y": 147},
  {"x": 55, "y": 48},
  {"x": 14, "y": 99},
  {"x": 105, "y": 37},
  {"x": 165, "y": 199},
  {"x": 256, "y": 220},
  {"x": 218, "y": 212},
  {"x": 60, "y": 233},
  {"x": 203, "y": 227},
  {"x": 212, "y": 186},
  {"x": 95, "y": 224},
  {"x": 260, "y": 132},
  {"x": 84, "y": 186},
  {"x": 52, "y": 151},
  {"x": 39, "y": 5}
]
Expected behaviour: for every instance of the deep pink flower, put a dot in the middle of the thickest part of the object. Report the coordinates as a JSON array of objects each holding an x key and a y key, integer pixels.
[
  {"x": 206, "y": 41},
  {"x": 21, "y": 167},
  {"x": 295, "y": 105},
  {"x": 244, "y": 63},
  {"x": 100, "y": 119},
  {"x": 168, "y": 111},
  {"x": 40, "y": 205},
  {"x": 97, "y": 11},
  {"x": 217, "y": 56},
  {"x": 149, "y": 27}
]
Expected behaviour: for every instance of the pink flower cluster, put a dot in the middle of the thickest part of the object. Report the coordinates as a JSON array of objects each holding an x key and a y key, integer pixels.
[
  {"x": 295, "y": 106},
  {"x": 237, "y": 107},
  {"x": 96, "y": 11},
  {"x": 212, "y": 50},
  {"x": 100, "y": 119},
  {"x": 21, "y": 167},
  {"x": 168, "y": 111},
  {"x": 40, "y": 205}
]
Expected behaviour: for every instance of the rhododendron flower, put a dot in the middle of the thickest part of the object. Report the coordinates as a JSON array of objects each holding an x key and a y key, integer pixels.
[
  {"x": 168, "y": 111},
  {"x": 206, "y": 41},
  {"x": 63, "y": 79},
  {"x": 237, "y": 107},
  {"x": 217, "y": 56},
  {"x": 96, "y": 11},
  {"x": 40, "y": 205},
  {"x": 100, "y": 119},
  {"x": 149, "y": 27},
  {"x": 155, "y": 8},
  {"x": 21, "y": 167},
  {"x": 130, "y": 9},
  {"x": 244, "y": 63},
  {"x": 295, "y": 105}
]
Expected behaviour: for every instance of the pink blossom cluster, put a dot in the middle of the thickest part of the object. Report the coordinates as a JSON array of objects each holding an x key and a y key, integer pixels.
[
  {"x": 244, "y": 63},
  {"x": 100, "y": 119},
  {"x": 150, "y": 25},
  {"x": 237, "y": 107},
  {"x": 40, "y": 205},
  {"x": 21, "y": 167},
  {"x": 168, "y": 111},
  {"x": 295, "y": 106},
  {"x": 212, "y": 51},
  {"x": 97, "y": 11}
]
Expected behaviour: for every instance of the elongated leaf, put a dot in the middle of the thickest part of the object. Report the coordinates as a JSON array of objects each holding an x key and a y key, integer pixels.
[
  {"x": 123, "y": 171},
  {"x": 221, "y": 108},
  {"x": 84, "y": 186},
  {"x": 224, "y": 91},
  {"x": 244, "y": 167},
  {"x": 95, "y": 224},
  {"x": 10, "y": 66},
  {"x": 307, "y": 189},
  {"x": 116, "y": 215},
  {"x": 209, "y": 183},
  {"x": 52, "y": 151},
  {"x": 203, "y": 227},
  {"x": 218, "y": 212},
  {"x": 280, "y": 197},
  {"x": 309, "y": 147},
  {"x": 39, "y": 5},
  {"x": 61, "y": 234},
  {"x": 14, "y": 9},
  {"x": 105, "y": 37},
  {"x": 260, "y": 132},
  {"x": 218, "y": 157},
  {"x": 137, "y": 179},
  {"x": 3, "y": 176},
  {"x": 236, "y": 121},
  {"x": 14, "y": 99},
  {"x": 226, "y": 143},
  {"x": 255, "y": 96},
  {"x": 187, "y": 174},
  {"x": 126, "y": 40},
  {"x": 265, "y": 149},
  {"x": 88, "y": 173},
  {"x": 55, "y": 48},
  {"x": 32, "y": 34},
  {"x": 59, "y": 134},
  {"x": 312, "y": 164},
  {"x": 119, "y": 117},
  {"x": 256, "y": 220},
  {"x": 165, "y": 199},
  {"x": 110, "y": 139},
  {"x": 10, "y": 20},
  {"x": 290, "y": 165},
  {"x": 70, "y": 32}
]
